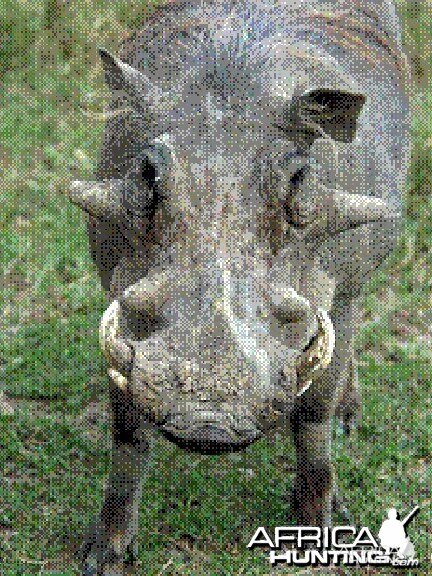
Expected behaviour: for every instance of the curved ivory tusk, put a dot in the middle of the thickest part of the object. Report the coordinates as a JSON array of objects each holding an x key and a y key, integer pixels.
[
  {"x": 316, "y": 358},
  {"x": 326, "y": 338},
  {"x": 100, "y": 199},
  {"x": 119, "y": 380},
  {"x": 118, "y": 354},
  {"x": 109, "y": 327}
]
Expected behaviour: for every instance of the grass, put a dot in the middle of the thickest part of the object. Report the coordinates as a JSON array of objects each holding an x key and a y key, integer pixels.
[{"x": 54, "y": 450}]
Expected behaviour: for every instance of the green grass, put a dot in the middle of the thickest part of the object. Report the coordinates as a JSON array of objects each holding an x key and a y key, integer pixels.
[{"x": 199, "y": 512}]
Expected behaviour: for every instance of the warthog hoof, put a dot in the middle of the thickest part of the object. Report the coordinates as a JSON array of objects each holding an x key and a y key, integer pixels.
[
  {"x": 339, "y": 507},
  {"x": 98, "y": 557},
  {"x": 349, "y": 412},
  {"x": 92, "y": 568}
]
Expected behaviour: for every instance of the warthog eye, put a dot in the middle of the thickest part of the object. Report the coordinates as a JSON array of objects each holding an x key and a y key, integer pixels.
[
  {"x": 291, "y": 164},
  {"x": 288, "y": 162},
  {"x": 149, "y": 172},
  {"x": 143, "y": 182},
  {"x": 150, "y": 166}
]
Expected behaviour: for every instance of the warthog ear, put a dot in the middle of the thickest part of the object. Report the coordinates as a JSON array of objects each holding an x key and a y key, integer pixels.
[
  {"x": 122, "y": 78},
  {"x": 324, "y": 112},
  {"x": 118, "y": 74}
]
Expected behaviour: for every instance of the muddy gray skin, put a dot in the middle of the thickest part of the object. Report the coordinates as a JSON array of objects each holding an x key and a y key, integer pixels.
[{"x": 249, "y": 188}]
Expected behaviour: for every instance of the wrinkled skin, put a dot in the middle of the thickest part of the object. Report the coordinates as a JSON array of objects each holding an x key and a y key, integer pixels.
[{"x": 238, "y": 210}]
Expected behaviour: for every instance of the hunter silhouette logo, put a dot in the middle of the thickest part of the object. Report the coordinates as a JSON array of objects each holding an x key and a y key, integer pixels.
[
  {"x": 343, "y": 545},
  {"x": 392, "y": 534}
]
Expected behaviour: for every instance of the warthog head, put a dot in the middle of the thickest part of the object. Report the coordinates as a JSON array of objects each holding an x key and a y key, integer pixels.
[{"x": 219, "y": 314}]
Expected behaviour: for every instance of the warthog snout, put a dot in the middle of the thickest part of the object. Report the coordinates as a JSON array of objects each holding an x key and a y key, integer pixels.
[
  {"x": 231, "y": 390},
  {"x": 210, "y": 431}
]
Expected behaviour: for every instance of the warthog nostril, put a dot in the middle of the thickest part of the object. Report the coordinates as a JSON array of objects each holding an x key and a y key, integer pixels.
[
  {"x": 209, "y": 439},
  {"x": 211, "y": 434}
]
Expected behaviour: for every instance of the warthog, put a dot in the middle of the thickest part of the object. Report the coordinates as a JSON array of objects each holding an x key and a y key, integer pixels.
[{"x": 249, "y": 184}]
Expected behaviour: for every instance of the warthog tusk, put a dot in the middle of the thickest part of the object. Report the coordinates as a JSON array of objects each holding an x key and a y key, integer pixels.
[
  {"x": 109, "y": 328},
  {"x": 117, "y": 352},
  {"x": 119, "y": 380},
  {"x": 317, "y": 356}
]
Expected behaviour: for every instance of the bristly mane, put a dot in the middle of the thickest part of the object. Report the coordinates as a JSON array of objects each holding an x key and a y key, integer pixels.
[
  {"x": 358, "y": 28},
  {"x": 227, "y": 47},
  {"x": 240, "y": 27}
]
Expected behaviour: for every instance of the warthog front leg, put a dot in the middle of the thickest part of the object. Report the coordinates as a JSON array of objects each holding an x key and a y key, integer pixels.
[
  {"x": 313, "y": 485},
  {"x": 112, "y": 537},
  {"x": 314, "y": 489},
  {"x": 349, "y": 409}
]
